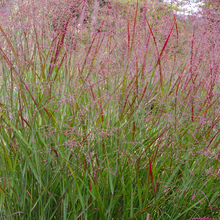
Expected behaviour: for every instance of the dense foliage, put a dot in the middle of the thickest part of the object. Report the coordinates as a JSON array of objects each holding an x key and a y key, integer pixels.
[{"x": 109, "y": 110}]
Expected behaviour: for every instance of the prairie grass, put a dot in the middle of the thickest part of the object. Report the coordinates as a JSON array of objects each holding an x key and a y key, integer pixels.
[{"x": 115, "y": 121}]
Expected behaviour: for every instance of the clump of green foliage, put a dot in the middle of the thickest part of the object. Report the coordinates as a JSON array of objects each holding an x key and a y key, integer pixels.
[{"x": 116, "y": 122}]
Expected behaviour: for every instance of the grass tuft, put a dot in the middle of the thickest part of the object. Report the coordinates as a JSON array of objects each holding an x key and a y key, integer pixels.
[{"x": 108, "y": 110}]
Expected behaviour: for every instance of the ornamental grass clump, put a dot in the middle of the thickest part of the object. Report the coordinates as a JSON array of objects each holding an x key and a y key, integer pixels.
[{"x": 108, "y": 110}]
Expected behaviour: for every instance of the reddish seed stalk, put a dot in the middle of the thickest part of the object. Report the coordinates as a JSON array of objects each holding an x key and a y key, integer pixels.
[
  {"x": 40, "y": 55},
  {"x": 85, "y": 163},
  {"x": 29, "y": 195},
  {"x": 59, "y": 66},
  {"x": 152, "y": 177},
  {"x": 87, "y": 55},
  {"x": 59, "y": 47},
  {"x": 128, "y": 36},
  {"x": 133, "y": 130},
  {"x": 135, "y": 21}
]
